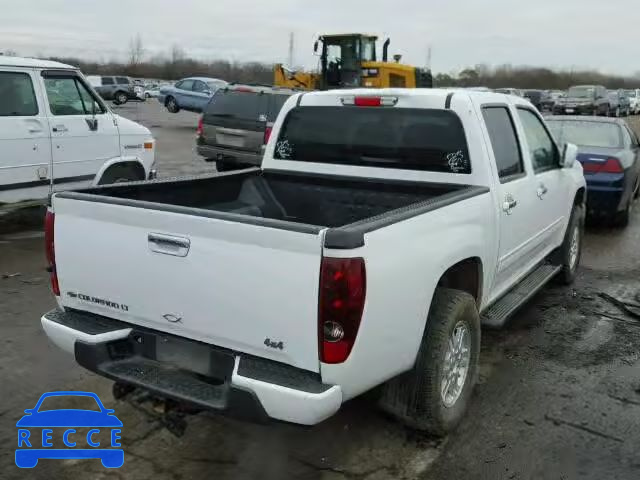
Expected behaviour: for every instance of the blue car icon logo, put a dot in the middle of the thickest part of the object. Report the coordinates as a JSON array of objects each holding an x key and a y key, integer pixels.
[{"x": 38, "y": 428}]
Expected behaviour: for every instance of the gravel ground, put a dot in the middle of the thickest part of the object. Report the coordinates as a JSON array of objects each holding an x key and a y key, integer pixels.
[{"x": 559, "y": 392}]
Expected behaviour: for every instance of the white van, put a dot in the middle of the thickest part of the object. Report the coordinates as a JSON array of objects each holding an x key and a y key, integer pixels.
[{"x": 54, "y": 125}]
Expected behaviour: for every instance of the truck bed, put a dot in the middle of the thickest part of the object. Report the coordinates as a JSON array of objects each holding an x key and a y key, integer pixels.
[{"x": 285, "y": 200}]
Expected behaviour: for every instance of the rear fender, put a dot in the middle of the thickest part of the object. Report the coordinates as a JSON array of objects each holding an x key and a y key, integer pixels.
[{"x": 400, "y": 290}]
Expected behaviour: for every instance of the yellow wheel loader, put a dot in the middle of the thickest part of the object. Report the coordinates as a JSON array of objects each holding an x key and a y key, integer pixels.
[{"x": 350, "y": 61}]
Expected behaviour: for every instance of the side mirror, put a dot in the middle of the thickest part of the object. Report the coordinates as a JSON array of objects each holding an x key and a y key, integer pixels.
[
  {"x": 207, "y": 92},
  {"x": 29, "y": 411},
  {"x": 569, "y": 155},
  {"x": 315, "y": 47}
]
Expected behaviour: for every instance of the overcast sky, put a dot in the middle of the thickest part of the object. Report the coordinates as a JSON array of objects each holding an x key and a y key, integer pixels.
[{"x": 557, "y": 33}]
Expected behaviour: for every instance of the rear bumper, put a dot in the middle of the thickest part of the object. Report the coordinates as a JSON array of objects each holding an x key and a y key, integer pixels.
[
  {"x": 237, "y": 384},
  {"x": 577, "y": 110},
  {"x": 606, "y": 193},
  {"x": 212, "y": 154}
]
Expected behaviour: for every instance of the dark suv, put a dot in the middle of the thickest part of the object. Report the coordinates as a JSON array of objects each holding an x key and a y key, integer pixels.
[
  {"x": 236, "y": 124},
  {"x": 118, "y": 89},
  {"x": 584, "y": 100},
  {"x": 539, "y": 98}
]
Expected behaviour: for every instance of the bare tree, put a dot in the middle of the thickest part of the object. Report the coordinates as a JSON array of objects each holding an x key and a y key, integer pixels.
[
  {"x": 136, "y": 50},
  {"x": 177, "y": 54}
]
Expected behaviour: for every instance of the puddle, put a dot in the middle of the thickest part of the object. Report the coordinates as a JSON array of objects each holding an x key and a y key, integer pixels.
[{"x": 596, "y": 336}]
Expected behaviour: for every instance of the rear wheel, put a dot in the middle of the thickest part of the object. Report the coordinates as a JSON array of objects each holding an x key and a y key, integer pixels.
[
  {"x": 120, "y": 98},
  {"x": 226, "y": 166},
  {"x": 622, "y": 218},
  {"x": 172, "y": 105},
  {"x": 435, "y": 394},
  {"x": 569, "y": 253}
]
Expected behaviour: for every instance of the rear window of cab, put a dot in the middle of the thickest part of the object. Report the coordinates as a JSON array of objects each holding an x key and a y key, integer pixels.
[{"x": 402, "y": 138}]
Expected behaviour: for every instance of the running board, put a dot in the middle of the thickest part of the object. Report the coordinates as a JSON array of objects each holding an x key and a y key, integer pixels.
[{"x": 497, "y": 315}]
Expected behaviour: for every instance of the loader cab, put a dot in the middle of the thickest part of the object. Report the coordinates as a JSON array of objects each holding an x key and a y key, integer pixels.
[{"x": 342, "y": 57}]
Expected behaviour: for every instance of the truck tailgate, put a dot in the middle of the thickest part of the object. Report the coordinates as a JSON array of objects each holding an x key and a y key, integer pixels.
[{"x": 244, "y": 287}]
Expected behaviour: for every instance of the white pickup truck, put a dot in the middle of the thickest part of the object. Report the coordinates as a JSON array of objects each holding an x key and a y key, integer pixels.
[
  {"x": 55, "y": 130},
  {"x": 384, "y": 227}
]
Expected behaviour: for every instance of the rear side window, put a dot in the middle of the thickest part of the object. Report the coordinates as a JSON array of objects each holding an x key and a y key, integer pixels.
[
  {"x": 122, "y": 80},
  {"x": 402, "y": 138},
  {"x": 504, "y": 142},
  {"x": 107, "y": 81},
  {"x": 199, "y": 86},
  {"x": 240, "y": 105},
  {"x": 17, "y": 98},
  {"x": 277, "y": 102}
]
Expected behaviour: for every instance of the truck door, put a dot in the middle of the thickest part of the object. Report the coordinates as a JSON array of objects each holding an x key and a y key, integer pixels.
[
  {"x": 548, "y": 187},
  {"x": 517, "y": 230},
  {"x": 83, "y": 132},
  {"x": 25, "y": 143}
]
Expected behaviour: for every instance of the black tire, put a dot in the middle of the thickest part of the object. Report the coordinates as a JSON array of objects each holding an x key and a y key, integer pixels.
[
  {"x": 120, "y": 98},
  {"x": 622, "y": 218},
  {"x": 227, "y": 166},
  {"x": 120, "y": 174},
  {"x": 563, "y": 255},
  {"x": 415, "y": 397},
  {"x": 172, "y": 105}
]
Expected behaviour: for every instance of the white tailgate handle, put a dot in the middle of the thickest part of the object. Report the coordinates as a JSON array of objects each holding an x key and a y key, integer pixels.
[{"x": 169, "y": 245}]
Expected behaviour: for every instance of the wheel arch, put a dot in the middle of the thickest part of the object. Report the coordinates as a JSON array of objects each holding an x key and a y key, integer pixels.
[
  {"x": 466, "y": 275},
  {"x": 133, "y": 162},
  {"x": 581, "y": 197}
]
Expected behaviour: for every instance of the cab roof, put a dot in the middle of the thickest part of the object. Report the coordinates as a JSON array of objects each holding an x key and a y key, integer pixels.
[
  {"x": 438, "y": 94},
  {"x": 337, "y": 35},
  {"x": 32, "y": 63}
]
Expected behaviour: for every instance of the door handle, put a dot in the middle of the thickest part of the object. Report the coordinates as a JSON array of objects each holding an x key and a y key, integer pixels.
[
  {"x": 169, "y": 244},
  {"x": 542, "y": 191},
  {"x": 509, "y": 204},
  {"x": 60, "y": 128}
]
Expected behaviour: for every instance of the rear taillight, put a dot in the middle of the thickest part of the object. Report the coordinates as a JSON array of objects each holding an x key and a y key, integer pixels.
[
  {"x": 611, "y": 165},
  {"x": 267, "y": 134},
  {"x": 342, "y": 294},
  {"x": 49, "y": 221},
  {"x": 200, "y": 129}
]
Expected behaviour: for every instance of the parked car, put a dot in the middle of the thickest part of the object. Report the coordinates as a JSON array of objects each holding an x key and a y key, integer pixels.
[
  {"x": 554, "y": 96},
  {"x": 236, "y": 125},
  {"x": 384, "y": 227},
  {"x": 634, "y": 100},
  {"x": 118, "y": 89},
  {"x": 584, "y": 100},
  {"x": 539, "y": 99},
  {"x": 54, "y": 125},
  {"x": 609, "y": 153},
  {"x": 152, "y": 90},
  {"x": 191, "y": 94},
  {"x": 620, "y": 106},
  {"x": 510, "y": 91}
]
